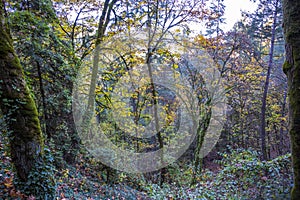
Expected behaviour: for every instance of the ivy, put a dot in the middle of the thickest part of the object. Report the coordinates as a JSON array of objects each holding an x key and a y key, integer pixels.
[{"x": 41, "y": 183}]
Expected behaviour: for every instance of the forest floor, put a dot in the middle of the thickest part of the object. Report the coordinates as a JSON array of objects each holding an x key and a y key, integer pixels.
[{"x": 239, "y": 175}]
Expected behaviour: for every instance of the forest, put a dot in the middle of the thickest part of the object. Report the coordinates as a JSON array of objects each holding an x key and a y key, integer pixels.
[{"x": 149, "y": 99}]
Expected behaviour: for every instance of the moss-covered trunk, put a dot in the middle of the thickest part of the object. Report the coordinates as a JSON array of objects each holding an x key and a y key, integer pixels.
[
  {"x": 291, "y": 12},
  {"x": 18, "y": 106}
]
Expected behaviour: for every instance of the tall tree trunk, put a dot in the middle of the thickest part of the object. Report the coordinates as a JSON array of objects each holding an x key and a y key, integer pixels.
[
  {"x": 103, "y": 22},
  {"x": 266, "y": 87},
  {"x": 291, "y": 20},
  {"x": 18, "y": 107}
]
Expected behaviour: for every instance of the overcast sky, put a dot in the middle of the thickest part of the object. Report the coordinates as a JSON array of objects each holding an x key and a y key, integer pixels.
[{"x": 232, "y": 10}]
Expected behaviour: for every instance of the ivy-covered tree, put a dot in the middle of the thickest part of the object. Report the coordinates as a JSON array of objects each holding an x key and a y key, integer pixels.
[
  {"x": 50, "y": 65},
  {"x": 18, "y": 107},
  {"x": 291, "y": 12},
  {"x": 32, "y": 163}
]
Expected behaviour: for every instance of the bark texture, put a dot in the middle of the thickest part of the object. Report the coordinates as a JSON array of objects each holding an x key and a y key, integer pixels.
[
  {"x": 18, "y": 107},
  {"x": 291, "y": 12}
]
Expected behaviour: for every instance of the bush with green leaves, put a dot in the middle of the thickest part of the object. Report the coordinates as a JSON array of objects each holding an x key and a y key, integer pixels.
[{"x": 242, "y": 175}]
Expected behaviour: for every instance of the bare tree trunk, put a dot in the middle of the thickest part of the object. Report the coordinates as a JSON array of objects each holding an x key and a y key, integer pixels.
[
  {"x": 18, "y": 107},
  {"x": 291, "y": 19},
  {"x": 266, "y": 88},
  {"x": 103, "y": 22}
]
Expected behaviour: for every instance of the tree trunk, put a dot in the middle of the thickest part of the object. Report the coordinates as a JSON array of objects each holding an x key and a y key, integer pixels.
[
  {"x": 266, "y": 87},
  {"x": 291, "y": 13},
  {"x": 18, "y": 107},
  {"x": 206, "y": 113},
  {"x": 103, "y": 22}
]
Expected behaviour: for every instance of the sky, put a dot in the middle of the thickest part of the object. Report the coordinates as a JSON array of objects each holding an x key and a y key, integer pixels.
[{"x": 232, "y": 11}]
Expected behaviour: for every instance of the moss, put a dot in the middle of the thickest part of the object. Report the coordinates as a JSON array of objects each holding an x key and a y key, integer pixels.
[
  {"x": 291, "y": 10},
  {"x": 5, "y": 42},
  {"x": 27, "y": 141},
  {"x": 286, "y": 66}
]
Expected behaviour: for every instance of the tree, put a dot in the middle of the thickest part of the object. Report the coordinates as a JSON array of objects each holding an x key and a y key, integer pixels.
[
  {"x": 264, "y": 29},
  {"x": 291, "y": 24},
  {"x": 18, "y": 106},
  {"x": 102, "y": 26},
  {"x": 266, "y": 85},
  {"x": 159, "y": 19},
  {"x": 50, "y": 65}
]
